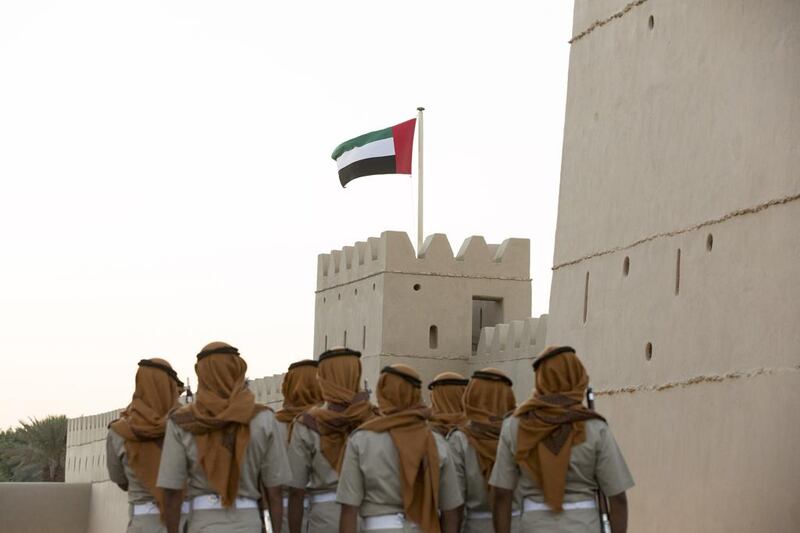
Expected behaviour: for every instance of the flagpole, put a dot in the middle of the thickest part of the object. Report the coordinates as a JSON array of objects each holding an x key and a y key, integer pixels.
[{"x": 420, "y": 234}]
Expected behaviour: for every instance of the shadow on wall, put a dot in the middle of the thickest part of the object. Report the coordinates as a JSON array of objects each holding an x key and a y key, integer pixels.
[{"x": 38, "y": 507}]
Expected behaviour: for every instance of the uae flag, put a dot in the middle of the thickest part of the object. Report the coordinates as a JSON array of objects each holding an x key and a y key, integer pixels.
[{"x": 386, "y": 151}]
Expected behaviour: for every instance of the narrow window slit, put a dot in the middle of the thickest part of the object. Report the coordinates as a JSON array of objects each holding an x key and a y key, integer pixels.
[{"x": 586, "y": 298}]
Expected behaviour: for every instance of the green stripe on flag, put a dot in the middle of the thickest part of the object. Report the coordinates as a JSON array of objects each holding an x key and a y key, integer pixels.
[{"x": 361, "y": 140}]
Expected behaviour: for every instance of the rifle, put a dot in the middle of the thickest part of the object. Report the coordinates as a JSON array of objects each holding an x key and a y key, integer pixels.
[
  {"x": 602, "y": 500},
  {"x": 189, "y": 395}
]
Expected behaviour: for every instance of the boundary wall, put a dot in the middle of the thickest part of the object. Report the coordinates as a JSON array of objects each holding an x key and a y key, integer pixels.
[{"x": 677, "y": 249}]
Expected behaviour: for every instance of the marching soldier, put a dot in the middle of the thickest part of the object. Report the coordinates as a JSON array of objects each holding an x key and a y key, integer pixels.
[
  {"x": 447, "y": 411},
  {"x": 133, "y": 444},
  {"x": 488, "y": 399},
  {"x": 559, "y": 453},
  {"x": 318, "y": 441},
  {"x": 223, "y": 448},
  {"x": 397, "y": 472},
  {"x": 300, "y": 392}
]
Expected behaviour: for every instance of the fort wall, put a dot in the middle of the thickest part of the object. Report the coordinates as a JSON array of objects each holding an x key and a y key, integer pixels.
[
  {"x": 512, "y": 348},
  {"x": 678, "y": 238},
  {"x": 45, "y": 507}
]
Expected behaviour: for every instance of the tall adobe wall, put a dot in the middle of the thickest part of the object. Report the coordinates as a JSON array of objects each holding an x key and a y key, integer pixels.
[
  {"x": 395, "y": 306},
  {"x": 86, "y": 463},
  {"x": 677, "y": 250}
]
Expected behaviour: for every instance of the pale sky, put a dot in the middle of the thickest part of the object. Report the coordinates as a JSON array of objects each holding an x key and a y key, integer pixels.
[{"x": 166, "y": 179}]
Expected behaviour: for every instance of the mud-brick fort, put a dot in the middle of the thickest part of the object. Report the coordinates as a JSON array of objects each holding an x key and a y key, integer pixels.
[{"x": 676, "y": 269}]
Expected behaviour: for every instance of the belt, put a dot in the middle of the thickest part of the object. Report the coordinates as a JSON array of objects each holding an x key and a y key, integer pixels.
[
  {"x": 485, "y": 515},
  {"x": 151, "y": 508},
  {"x": 212, "y": 501},
  {"x": 305, "y": 502},
  {"x": 322, "y": 497},
  {"x": 530, "y": 505},
  {"x": 386, "y": 521}
]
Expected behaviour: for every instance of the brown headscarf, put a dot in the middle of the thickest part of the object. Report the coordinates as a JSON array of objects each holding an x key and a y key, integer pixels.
[
  {"x": 487, "y": 401},
  {"x": 552, "y": 421},
  {"x": 339, "y": 375},
  {"x": 220, "y": 417},
  {"x": 300, "y": 390},
  {"x": 143, "y": 422},
  {"x": 405, "y": 418},
  {"x": 447, "y": 410}
]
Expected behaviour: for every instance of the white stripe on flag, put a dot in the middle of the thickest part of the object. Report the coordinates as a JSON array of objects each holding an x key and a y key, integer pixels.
[{"x": 380, "y": 148}]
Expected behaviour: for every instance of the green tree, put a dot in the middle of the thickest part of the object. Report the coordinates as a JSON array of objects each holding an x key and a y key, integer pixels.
[
  {"x": 8, "y": 440},
  {"x": 38, "y": 449}
]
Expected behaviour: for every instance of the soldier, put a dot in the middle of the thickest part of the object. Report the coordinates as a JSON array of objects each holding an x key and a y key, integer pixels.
[
  {"x": 397, "y": 472},
  {"x": 133, "y": 444},
  {"x": 318, "y": 441},
  {"x": 560, "y": 453},
  {"x": 487, "y": 401},
  {"x": 447, "y": 411},
  {"x": 300, "y": 391},
  {"x": 223, "y": 448}
]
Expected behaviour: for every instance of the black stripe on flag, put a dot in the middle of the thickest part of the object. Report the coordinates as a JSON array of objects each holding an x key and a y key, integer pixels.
[{"x": 367, "y": 167}]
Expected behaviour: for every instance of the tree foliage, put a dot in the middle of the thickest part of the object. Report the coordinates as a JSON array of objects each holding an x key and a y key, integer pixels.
[{"x": 35, "y": 451}]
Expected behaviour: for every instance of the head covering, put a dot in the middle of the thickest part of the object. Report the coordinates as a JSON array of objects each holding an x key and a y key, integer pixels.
[
  {"x": 300, "y": 390},
  {"x": 488, "y": 399},
  {"x": 405, "y": 418},
  {"x": 142, "y": 423},
  {"x": 447, "y": 411},
  {"x": 220, "y": 417},
  {"x": 552, "y": 421},
  {"x": 339, "y": 375}
]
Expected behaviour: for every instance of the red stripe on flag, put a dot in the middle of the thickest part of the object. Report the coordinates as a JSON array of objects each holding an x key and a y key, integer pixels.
[{"x": 403, "y": 135}]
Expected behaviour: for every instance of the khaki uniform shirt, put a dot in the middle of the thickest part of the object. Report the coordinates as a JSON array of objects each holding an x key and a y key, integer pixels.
[
  {"x": 265, "y": 457},
  {"x": 474, "y": 488},
  {"x": 371, "y": 475},
  {"x": 120, "y": 472},
  {"x": 311, "y": 471},
  {"x": 283, "y": 432},
  {"x": 596, "y": 462}
]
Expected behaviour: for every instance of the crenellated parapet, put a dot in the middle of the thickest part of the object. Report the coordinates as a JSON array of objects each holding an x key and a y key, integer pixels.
[
  {"x": 519, "y": 339},
  {"x": 86, "y": 429},
  {"x": 86, "y": 447},
  {"x": 393, "y": 252},
  {"x": 268, "y": 389}
]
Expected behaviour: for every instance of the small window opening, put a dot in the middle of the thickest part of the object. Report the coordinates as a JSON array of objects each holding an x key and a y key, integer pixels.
[
  {"x": 326, "y": 342},
  {"x": 345, "y": 339},
  {"x": 417, "y": 286},
  {"x": 363, "y": 337},
  {"x": 651, "y": 22},
  {"x": 433, "y": 338},
  {"x": 340, "y": 296},
  {"x": 373, "y": 286},
  {"x": 709, "y": 242},
  {"x": 648, "y": 351},
  {"x": 678, "y": 272},
  {"x": 355, "y": 292},
  {"x": 626, "y": 266}
]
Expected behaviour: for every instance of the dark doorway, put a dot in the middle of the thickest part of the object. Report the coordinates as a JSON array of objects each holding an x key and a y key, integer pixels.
[{"x": 486, "y": 311}]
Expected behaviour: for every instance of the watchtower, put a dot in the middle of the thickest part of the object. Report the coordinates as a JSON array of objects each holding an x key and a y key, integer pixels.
[{"x": 426, "y": 310}]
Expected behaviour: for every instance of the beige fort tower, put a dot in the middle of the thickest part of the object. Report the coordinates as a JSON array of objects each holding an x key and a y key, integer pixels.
[
  {"x": 434, "y": 310},
  {"x": 676, "y": 272}
]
